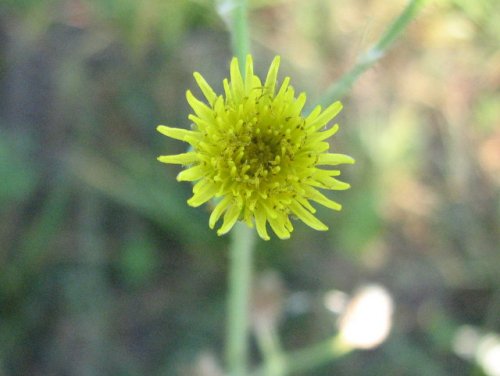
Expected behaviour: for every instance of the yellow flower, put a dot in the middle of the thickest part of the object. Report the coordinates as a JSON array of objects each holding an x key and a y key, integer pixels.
[{"x": 256, "y": 154}]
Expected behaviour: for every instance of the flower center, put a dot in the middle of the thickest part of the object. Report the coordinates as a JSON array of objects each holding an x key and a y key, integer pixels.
[
  {"x": 261, "y": 157},
  {"x": 256, "y": 148}
]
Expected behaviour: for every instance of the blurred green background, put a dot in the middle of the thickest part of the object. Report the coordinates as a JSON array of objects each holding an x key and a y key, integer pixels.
[{"x": 104, "y": 268}]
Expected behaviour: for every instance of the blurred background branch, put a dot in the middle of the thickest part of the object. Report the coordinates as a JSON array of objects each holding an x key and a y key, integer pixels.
[{"x": 340, "y": 87}]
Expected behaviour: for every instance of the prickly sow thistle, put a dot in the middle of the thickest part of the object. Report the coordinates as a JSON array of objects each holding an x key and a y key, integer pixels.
[{"x": 256, "y": 155}]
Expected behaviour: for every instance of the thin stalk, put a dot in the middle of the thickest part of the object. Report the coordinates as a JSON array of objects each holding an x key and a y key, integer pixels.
[
  {"x": 269, "y": 344},
  {"x": 337, "y": 90},
  {"x": 240, "y": 273},
  {"x": 235, "y": 14},
  {"x": 309, "y": 358},
  {"x": 240, "y": 40}
]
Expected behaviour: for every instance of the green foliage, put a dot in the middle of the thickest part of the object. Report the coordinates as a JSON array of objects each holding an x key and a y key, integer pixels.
[
  {"x": 19, "y": 178},
  {"x": 138, "y": 261},
  {"x": 104, "y": 268}
]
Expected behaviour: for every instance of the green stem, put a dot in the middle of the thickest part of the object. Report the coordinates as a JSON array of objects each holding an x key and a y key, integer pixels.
[
  {"x": 240, "y": 41},
  {"x": 235, "y": 14},
  {"x": 270, "y": 347},
  {"x": 240, "y": 270},
  {"x": 339, "y": 88},
  {"x": 240, "y": 273},
  {"x": 309, "y": 358}
]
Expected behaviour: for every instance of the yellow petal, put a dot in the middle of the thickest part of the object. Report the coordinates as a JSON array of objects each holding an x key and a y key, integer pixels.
[
  {"x": 219, "y": 209},
  {"x": 227, "y": 90},
  {"x": 283, "y": 88},
  {"x": 317, "y": 196},
  {"x": 200, "y": 108},
  {"x": 288, "y": 224},
  {"x": 201, "y": 124},
  {"x": 191, "y": 137},
  {"x": 206, "y": 89},
  {"x": 314, "y": 114},
  {"x": 333, "y": 159},
  {"x": 248, "y": 73},
  {"x": 320, "y": 136},
  {"x": 200, "y": 184},
  {"x": 236, "y": 79},
  {"x": 289, "y": 95},
  {"x": 193, "y": 173},
  {"x": 184, "y": 158},
  {"x": 202, "y": 195},
  {"x": 230, "y": 219},
  {"x": 325, "y": 172},
  {"x": 316, "y": 147},
  {"x": 303, "y": 201},
  {"x": 272, "y": 74},
  {"x": 248, "y": 216},
  {"x": 270, "y": 213},
  {"x": 278, "y": 227},
  {"x": 327, "y": 115},
  {"x": 327, "y": 182},
  {"x": 307, "y": 217},
  {"x": 256, "y": 83},
  {"x": 299, "y": 104},
  {"x": 260, "y": 223}
]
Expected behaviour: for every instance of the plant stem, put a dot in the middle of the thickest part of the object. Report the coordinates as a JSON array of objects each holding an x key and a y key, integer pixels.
[
  {"x": 240, "y": 42},
  {"x": 306, "y": 359},
  {"x": 240, "y": 272},
  {"x": 235, "y": 14},
  {"x": 242, "y": 241},
  {"x": 269, "y": 344},
  {"x": 337, "y": 90}
]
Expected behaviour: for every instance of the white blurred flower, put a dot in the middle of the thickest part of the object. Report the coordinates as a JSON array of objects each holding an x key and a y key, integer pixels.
[
  {"x": 466, "y": 341},
  {"x": 488, "y": 354},
  {"x": 470, "y": 343},
  {"x": 367, "y": 319}
]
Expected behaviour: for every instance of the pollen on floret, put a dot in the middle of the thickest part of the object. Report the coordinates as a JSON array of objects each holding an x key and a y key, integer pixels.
[{"x": 254, "y": 156}]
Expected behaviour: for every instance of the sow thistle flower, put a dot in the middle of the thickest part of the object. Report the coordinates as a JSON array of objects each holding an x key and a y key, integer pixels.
[{"x": 256, "y": 155}]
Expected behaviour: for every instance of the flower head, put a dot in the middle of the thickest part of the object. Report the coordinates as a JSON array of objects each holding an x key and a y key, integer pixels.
[{"x": 254, "y": 152}]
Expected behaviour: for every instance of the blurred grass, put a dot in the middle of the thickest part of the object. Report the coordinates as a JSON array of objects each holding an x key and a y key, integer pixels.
[{"x": 104, "y": 269}]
